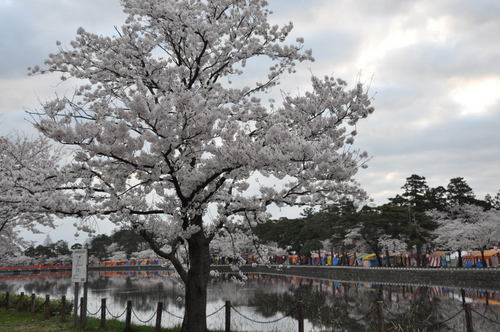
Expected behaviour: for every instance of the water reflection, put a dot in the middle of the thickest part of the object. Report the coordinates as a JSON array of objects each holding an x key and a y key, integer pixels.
[
  {"x": 333, "y": 306},
  {"x": 328, "y": 305}
]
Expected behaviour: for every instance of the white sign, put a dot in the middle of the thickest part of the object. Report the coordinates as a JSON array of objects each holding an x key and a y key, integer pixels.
[{"x": 79, "y": 267}]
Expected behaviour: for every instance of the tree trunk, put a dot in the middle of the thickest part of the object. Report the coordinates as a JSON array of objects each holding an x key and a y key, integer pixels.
[
  {"x": 482, "y": 257},
  {"x": 388, "y": 262},
  {"x": 419, "y": 255},
  {"x": 460, "y": 263},
  {"x": 196, "y": 285}
]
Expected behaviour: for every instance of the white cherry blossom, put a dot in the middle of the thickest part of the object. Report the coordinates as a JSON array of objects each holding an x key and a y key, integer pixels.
[{"x": 170, "y": 137}]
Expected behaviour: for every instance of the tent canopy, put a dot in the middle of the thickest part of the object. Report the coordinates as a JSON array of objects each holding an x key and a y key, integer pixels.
[
  {"x": 487, "y": 253},
  {"x": 439, "y": 253}
]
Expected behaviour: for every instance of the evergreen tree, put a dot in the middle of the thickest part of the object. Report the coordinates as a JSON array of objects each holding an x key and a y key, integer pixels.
[
  {"x": 61, "y": 248},
  {"x": 98, "y": 245},
  {"x": 415, "y": 194},
  {"x": 398, "y": 200},
  {"x": 436, "y": 198},
  {"x": 459, "y": 192},
  {"x": 493, "y": 202},
  {"x": 415, "y": 190}
]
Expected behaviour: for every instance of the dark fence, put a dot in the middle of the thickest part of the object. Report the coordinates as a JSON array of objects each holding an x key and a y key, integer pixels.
[
  {"x": 129, "y": 312},
  {"x": 46, "y": 306},
  {"x": 62, "y": 309}
]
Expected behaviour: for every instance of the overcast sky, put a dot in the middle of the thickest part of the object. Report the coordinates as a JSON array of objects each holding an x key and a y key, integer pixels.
[{"x": 433, "y": 68}]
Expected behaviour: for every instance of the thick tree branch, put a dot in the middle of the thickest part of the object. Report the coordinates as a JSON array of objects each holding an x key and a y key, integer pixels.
[{"x": 170, "y": 256}]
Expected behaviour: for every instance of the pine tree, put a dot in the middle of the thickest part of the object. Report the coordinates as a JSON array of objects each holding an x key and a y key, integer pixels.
[{"x": 459, "y": 192}]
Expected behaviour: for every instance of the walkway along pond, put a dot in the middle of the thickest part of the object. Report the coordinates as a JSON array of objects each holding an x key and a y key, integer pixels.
[{"x": 479, "y": 278}]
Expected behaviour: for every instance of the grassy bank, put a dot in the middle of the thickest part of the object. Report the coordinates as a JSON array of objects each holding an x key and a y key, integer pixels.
[
  {"x": 14, "y": 321},
  {"x": 18, "y": 318}
]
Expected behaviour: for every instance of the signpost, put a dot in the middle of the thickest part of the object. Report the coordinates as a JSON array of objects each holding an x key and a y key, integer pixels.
[{"x": 79, "y": 275}]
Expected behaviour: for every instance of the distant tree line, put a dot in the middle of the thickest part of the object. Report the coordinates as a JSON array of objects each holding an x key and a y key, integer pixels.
[
  {"x": 48, "y": 250},
  {"x": 417, "y": 220},
  {"x": 412, "y": 221},
  {"x": 121, "y": 244}
]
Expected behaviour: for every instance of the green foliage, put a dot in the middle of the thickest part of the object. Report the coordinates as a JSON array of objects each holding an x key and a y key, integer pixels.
[
  {"x": 98, "y": 245},
  {"x": 436, "y": 198},
  {"x": 51, "y": 250},
  {"x": 403, "y": 218},
  {"x": 415, "y": 190},
  {"x": 420, "y": 197},
  {"x": 334, "y": 223},
  {"x": 301, "y": 235},
  {"x": 305, "y": 234},
  {"x": 283, "y": 231},
  {"x": 129, "y": 241},
  {"x": 15, "y": 321},
  {"x": 126, "y": 239},
  {"x": 61, "y": 248},
  {"x": 310, "y": 245},
  {"x": 493, "y": 202},
  {"x": 459, "y": 192},
  {"x": 55, "y": 305}
]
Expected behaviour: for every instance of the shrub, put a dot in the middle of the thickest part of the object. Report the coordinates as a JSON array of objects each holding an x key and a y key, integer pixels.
[{"x": 54, "y": 304}]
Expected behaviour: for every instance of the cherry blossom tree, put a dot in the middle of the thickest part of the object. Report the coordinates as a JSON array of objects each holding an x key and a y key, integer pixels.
[
  {"x": 392, "y": 245},
  {"x": 144, "y": 254},
  {"x": 173, "y": 141},
  {"x": 355, "y": 242},
  {"x": 11, "y": 242},
  {"x": 118, "y": 256},
  {"x": 28, "y": 175},
  {"x": 17, "y": 258},
  {"x": 234, "y": 244},
  {"x": 467, "y": 227}
]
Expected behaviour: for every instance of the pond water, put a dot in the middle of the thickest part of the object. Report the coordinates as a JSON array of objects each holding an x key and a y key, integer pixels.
[{"x": 328, "y": 305}]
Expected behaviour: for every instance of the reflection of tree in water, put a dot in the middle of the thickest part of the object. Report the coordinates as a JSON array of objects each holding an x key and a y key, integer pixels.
[
  {"x": 417, "y": 312},
  {"x": 8, "y": 286},
  {"x": 56, "y": 286},
  {"x": 143, "y": 290},
  {"x": 239, "y": 294},
  {"x": 98, "y": 284},
  {"x": 328, "y": 305},
  {"x": 335, "y": 306}
]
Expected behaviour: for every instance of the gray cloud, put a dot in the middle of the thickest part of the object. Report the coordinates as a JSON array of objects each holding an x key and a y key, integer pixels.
[
  {"x": 458, "y": 147},
  {"x": 432, "y": 62},
  {"x": 30, "y": 28}
]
